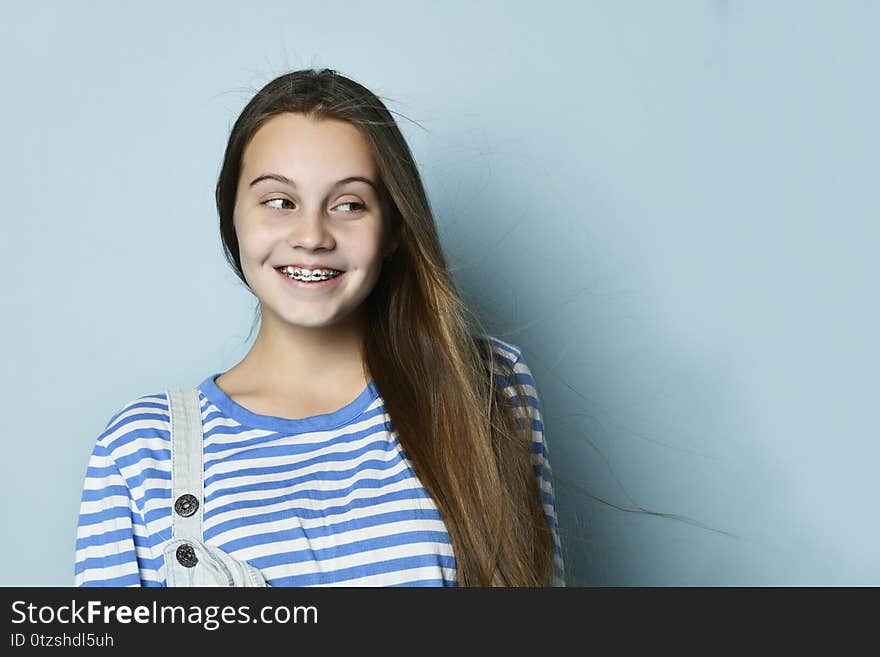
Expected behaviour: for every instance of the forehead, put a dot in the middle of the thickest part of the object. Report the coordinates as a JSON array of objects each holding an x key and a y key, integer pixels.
[{"x": 306, "y": 149}]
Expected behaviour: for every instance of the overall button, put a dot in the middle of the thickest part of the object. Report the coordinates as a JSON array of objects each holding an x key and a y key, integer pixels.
[
  {"x": 186, "y": 505},
  {"x": 186, "y": 556}
]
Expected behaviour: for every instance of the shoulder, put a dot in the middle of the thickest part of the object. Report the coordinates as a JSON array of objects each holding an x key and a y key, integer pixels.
[
  {"x": 504, "y": 352},
  {"x": 509, "y": 364},
  {"x": 140, "y": 423}
]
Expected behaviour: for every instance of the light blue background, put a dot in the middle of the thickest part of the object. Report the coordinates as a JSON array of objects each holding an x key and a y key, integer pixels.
[{"x": 672, "y": 206}]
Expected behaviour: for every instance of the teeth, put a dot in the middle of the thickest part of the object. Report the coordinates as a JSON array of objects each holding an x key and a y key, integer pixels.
[{"x": 310, "y": 275}]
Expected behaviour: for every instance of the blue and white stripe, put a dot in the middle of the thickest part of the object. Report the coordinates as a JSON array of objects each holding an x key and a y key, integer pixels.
[{"x": 330, "y": 500}]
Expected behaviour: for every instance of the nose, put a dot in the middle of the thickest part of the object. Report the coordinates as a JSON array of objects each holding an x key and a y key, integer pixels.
[{"x": 309, "y": 230}]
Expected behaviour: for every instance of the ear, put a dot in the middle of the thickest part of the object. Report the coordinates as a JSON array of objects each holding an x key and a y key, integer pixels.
[{"x": 392, "y": 248}]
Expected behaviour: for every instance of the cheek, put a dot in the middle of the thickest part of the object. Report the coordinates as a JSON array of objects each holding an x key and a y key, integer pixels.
[
  {"x": 365, "y": 255},
  {"x": 253, "y": 242},
  {"x": 362, "y": 247}
]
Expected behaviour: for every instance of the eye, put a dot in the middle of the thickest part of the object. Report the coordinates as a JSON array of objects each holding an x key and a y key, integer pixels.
[
  {"x": 283, "y": 200},
  {"x": 267, "y": 202},
  {"x": 362, "y": 206}
]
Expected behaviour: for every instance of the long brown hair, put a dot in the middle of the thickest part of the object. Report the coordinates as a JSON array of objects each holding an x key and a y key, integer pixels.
[{"x": 427, "y": 351}]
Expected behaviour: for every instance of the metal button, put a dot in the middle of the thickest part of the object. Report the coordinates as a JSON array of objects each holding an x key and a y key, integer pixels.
[
  {"x": 186, "y": 505},
  {"x": 186, "y": 556}
]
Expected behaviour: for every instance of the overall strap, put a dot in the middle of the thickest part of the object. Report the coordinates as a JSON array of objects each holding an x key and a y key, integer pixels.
[{"x": 187, "y": 466}]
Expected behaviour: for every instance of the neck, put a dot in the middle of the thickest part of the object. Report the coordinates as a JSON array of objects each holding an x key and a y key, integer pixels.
[{"x": 288, "y": 357}]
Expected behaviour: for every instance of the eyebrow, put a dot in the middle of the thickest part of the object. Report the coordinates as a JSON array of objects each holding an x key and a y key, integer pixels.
[{"x": 287, "y": 181}]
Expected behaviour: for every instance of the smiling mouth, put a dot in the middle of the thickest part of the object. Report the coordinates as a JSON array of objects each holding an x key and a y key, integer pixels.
[
  {"x": 306, "y": 276},
  {"x": 314, "y": 281}
]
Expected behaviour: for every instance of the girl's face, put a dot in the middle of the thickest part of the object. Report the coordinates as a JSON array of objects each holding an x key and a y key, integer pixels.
[{"x": 296, "y": 205}]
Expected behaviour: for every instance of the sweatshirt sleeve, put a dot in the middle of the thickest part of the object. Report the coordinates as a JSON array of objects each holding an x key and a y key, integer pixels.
[
  {"x": 109, "y": 525},
  {"x": 541, "y": 463}
]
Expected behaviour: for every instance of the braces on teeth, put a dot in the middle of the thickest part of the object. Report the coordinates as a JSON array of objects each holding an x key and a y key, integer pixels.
[{"x": 306, "y": 275}]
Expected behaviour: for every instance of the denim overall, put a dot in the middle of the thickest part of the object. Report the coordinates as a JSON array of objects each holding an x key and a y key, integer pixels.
[{"x": 188, "y": 560}]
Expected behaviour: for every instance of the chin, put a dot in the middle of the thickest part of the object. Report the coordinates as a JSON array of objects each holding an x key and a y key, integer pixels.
[
  {"x": 315, "y": 319},
  {"x": 311, "y": 322}
]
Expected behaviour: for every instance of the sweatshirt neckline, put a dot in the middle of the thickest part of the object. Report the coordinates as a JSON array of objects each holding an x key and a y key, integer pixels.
[{"x": 325, "y": 421}]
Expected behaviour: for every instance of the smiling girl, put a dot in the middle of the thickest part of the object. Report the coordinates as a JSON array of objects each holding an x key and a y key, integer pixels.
[{"x": 374, "y": 434}]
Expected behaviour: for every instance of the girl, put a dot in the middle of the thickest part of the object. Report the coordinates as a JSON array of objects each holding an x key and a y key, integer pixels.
[{"x": 374, "y": 435}]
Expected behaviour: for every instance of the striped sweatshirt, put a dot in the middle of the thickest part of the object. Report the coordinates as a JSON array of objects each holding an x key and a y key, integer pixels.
[{"x": 327, "y": 500}]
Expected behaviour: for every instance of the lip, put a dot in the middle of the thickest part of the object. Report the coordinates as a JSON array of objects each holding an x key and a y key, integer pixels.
[
  {"x": 311, "y": 267},
  {"x": 320, "y": 285}
]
